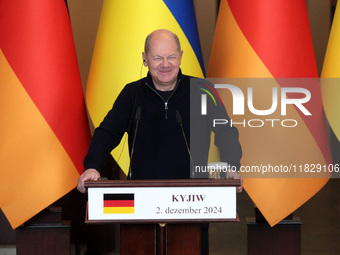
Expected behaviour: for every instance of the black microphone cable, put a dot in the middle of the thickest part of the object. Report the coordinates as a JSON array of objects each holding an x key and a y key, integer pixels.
[
  {"x": 138, "y": 117},
  {"x": 180, "y": 123}
]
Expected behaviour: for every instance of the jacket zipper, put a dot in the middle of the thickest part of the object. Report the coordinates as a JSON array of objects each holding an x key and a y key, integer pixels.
[{"x": 165, "y": 102}]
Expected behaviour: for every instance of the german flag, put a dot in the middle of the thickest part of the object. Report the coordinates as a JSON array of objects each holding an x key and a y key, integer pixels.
[
  {"x": 119, "y": 203},
  {"x": 44, "y": 129},
  {"x": 272, "y": 39}
]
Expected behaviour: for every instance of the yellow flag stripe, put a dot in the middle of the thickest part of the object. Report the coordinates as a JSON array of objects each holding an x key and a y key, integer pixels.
[
  {"x": 330, "y": 88},
  {"x": 119, "y": 210}
]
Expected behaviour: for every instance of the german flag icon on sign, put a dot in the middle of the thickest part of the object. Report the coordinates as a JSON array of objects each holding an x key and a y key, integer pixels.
[{"x": 119, "y": 203}]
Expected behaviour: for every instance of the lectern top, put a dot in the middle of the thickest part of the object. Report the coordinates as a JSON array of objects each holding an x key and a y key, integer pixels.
[{"x": 164, "y": 183}]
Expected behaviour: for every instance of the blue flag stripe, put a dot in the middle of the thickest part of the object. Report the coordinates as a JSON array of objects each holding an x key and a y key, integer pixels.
[{"x": 184, "y": 13}]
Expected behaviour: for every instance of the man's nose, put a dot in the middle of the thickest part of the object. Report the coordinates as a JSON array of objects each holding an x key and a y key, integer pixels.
[{"x": 166, "y": 63}]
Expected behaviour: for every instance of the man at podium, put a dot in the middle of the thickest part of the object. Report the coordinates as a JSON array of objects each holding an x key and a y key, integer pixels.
[{"x": 155, "y": 112}]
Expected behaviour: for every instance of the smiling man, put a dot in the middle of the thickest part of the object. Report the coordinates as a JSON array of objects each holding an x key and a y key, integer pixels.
[
  {"x": 163, "y": 56},
  {"x": 160, "y": 151},
  {"x": 159, "y": 147}
]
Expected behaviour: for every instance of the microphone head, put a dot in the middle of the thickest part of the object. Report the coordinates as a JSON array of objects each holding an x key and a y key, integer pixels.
[
  {"x": 138, "y": 113},
  {"x": 179, "y": 118}
]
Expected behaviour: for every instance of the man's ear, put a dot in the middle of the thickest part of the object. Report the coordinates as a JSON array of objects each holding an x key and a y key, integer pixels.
[
  {"x": 145, "y": 63},
  {"x": 180, "y": 57}
]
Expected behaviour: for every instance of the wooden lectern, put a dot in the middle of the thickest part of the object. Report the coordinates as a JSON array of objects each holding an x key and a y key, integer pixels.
[{"x": 162, "y": 216}]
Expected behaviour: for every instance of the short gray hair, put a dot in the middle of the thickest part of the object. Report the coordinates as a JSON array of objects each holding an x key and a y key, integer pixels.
[{"x": 148, "y": 40}]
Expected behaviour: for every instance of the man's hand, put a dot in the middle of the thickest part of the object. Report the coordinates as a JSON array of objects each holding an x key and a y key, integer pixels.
[
  {"x": 236, "y": 175},
  {"x": 229, "y": 174},
  {"x": 90, "y": 174}
]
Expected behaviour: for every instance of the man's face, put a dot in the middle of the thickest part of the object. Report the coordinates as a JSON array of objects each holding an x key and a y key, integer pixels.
[{"x": 163, "y": 60}]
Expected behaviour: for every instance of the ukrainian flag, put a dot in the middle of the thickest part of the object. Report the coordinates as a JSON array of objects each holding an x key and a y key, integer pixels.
[{"x": 117, "y": 57}]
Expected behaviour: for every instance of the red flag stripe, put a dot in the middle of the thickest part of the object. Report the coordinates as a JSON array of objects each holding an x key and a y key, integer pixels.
[{"x": 119, "y": 203}]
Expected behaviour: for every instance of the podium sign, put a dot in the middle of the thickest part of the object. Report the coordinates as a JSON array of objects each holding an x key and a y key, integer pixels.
[{"x": 162, "y": 201}]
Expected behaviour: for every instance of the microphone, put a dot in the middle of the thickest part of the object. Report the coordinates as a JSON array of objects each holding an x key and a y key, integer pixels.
[
  {"x": 137, "y": 118},
  {"x": 180, "y": 123}
]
